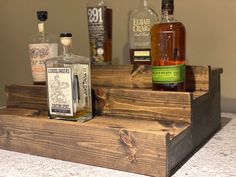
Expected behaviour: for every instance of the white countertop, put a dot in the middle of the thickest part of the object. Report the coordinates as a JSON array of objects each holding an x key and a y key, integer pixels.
[{"x": 217, "y": 158}]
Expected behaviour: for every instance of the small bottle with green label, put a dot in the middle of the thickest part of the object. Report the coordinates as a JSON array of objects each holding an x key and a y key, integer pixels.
[{"x": 168, "y": 51}]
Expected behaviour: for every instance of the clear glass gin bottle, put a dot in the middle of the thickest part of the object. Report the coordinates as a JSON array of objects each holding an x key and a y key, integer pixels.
[
  {"x": 69, "y": 84},
  {"x": 41, "y": 47},
  {"x": 140, "y": 22}
]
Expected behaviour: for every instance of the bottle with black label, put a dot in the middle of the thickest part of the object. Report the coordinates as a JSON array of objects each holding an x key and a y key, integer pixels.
[
  {"x": 41, "y": 47},
  {"x": 100, "y": 31},
  {"x": 140, "y": 23},
  {"x": 69, "y": 84}
]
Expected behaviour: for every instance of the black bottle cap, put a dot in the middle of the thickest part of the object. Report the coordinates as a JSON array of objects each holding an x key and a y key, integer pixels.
[
  {"x": 167, "y": 4},
  {"x": 66, "y": 35},
  {"x": 42, "y": 15}
]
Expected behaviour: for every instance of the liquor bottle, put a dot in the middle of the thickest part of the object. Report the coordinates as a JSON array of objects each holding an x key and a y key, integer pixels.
[
  {"x": 69, "y": 84},
  {"x": 100, "y": 31},
  {"x": 140, "y": 22},
  {"x": 168, "y": 51},
  {"x": 42, "y": 46}
]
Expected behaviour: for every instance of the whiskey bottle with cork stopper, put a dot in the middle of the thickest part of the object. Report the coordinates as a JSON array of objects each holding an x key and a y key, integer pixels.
[
  {"x": 41, "y": 47},
  {"x": 168, "y": 51},
  {"x": 69, "y": 84}
]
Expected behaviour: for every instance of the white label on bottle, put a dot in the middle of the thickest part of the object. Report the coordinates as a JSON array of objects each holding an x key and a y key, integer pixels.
[
  {"x": 60, "y": 96},
  {"x": 38, "y": 54}
]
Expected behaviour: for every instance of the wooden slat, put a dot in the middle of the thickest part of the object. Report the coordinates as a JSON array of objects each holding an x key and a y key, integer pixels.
[
  {"x": 119, "y": 147},
  {"x": 117, "y": 102},
  {"x": 26, "y": 96},
  {"x": 130, "y": 76},
  {"x": 144, "y": 104}
]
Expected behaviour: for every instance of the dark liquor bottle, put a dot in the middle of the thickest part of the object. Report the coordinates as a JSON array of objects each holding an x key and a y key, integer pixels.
[
  {"x": 140, "y": 22},
  {"x": 100, "y": 31},
  {"x": 168, "y": 51}
]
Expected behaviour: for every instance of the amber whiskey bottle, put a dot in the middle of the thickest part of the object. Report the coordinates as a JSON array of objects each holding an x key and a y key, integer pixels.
[{"x": 168, "y": 51}]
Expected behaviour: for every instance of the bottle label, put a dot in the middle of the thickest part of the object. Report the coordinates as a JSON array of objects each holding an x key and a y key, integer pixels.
[
  {"x": 141, "y": 26},
  {"x": 83, "y": 87},
  {"x": 98, "y": 32},
  {"x": 60, "y": 98},
  {"x": 168, "y": 74},
  {"x": 38, "y": 54},
  {"x": 141, "y": 55}
]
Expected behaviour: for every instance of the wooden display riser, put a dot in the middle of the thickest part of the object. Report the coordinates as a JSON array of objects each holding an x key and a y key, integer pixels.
[{"x": 135, "y": 129}]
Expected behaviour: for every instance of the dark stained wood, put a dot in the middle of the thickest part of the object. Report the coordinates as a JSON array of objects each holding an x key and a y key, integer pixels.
[
  {"x": 130, "y": 76},
  {"x": 117, "y": 147},
  {"x": 143, "y": 104},
  {"x": 205, "y": 121},
  {"x": 138, "y": 130},
  {"x": 26, "y": 96}
]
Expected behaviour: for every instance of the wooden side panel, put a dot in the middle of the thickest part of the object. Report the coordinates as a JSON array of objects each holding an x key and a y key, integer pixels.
[
  {"x": 130, "y": 76},
  {"x": 119, "y": 148},
  {"x": 205, "y": 121},
  {"x": 144, "y": 104},
  {"x": 206, "y": 113}
]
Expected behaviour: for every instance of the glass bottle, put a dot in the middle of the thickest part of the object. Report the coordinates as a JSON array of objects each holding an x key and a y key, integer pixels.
[
  {"x": 69, "y": 84},
  {"x": 168, "y": 51},
  {"x": 100, "y": 31},
  {"x": 140, "y": 22},
  {"x": 41, "y": 47}
]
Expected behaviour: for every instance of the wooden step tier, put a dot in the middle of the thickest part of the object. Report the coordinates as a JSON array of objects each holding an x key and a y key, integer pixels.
[{"x": 135, "y": 129}]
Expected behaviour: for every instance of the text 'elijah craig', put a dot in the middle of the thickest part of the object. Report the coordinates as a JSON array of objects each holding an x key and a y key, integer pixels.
[
  {"x": 140, "y": 23},
  {"x": 168, "y": 51}
]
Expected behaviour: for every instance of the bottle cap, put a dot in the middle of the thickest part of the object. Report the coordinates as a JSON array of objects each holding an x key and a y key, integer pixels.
[
  {"x": 167, "y": 4},
  {"x": 66, "y": 39},
  {"x": 66, "y": 35},
  {"x": 42, "y": 15}
]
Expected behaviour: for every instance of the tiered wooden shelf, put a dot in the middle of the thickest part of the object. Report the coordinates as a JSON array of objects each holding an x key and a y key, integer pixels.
[{"x": 135, "y": 129}]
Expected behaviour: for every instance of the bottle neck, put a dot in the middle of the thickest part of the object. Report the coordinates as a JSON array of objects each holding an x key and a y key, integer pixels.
[
  {"x": 67, "y": 50},
  {"x": 145, "y": 3},
  {"x": 101, "y": 3},
  {"x": 167, "y": 15},
  {"x": 66, "y": 43},
  {"x": 41, "y": 27}
]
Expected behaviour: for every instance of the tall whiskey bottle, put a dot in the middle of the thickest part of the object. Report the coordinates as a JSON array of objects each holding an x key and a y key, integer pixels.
[
  {"x": 168, "y": 51},
  {"x": 100, "y": 31},
  {"x": 42, "y": 46},
  {"x": 140, "y": 22},
  {"x": 69, "y": 84}
]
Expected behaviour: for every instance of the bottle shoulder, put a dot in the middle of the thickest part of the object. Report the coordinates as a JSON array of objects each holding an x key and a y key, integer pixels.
[
  {"x": 144, "y": 12},
  {"x": 43, "y": 38},
  {"x": 69, "y": 59},
  {"x": 168, "y": 26}
]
